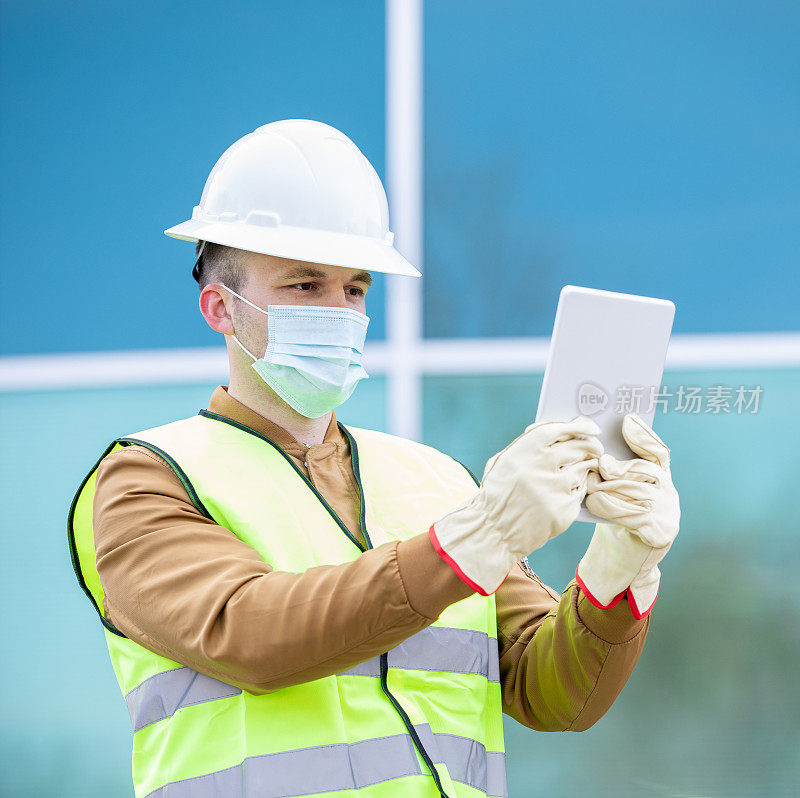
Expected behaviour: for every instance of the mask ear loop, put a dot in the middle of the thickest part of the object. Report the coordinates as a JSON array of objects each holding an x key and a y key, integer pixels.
[
  {"x": 248, "y": 302},
  {"x": 241, "y": 345}
]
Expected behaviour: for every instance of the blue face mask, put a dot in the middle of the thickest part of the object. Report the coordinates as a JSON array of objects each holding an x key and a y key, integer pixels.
[{"x": 313, "y": 355}]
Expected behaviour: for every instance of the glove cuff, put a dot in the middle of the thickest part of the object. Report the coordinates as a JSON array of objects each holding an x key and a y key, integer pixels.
[
  {"x": 614, "y": 561},
  {"x": 594, "y": 599},
  {"x": 465, "y": 540},
  {"x": 641, "y": 594}
]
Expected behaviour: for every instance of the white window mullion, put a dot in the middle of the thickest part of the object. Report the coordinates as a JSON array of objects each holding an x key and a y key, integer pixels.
[
  {"x": 404, "y": 168},
  {"x": 435, "y": 356}
]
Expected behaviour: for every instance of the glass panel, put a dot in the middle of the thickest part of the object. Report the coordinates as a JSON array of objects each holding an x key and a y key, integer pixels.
[
  {"x": 112, "y": 121},
  {"x": 714, "y": 688},
  {"x": 52, "y": 439},
  {"x": 367, "y": 406},
  {"x": 66, "y": 730},
  {"x": 636, "y": 147}
]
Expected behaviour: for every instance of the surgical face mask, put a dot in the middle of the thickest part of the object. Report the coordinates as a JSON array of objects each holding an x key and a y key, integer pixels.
[{"x": 313, "y": 355}]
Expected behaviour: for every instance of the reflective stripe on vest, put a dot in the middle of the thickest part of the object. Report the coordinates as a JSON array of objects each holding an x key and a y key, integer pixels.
[
  {"x": 347, "y": 766},
  {"x": 433, "y": 649},
  {"x": 438, "y": 648},
  {"x": 436, "y": 696}
]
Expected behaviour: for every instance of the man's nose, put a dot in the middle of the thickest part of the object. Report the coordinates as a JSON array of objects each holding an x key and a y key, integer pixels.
[{"x": 336, "y": 298}]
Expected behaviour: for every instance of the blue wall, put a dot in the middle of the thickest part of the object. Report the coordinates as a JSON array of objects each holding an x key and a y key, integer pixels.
[
  {"x": 650, "y": 148},
  {"x": 114, "y": 114}
]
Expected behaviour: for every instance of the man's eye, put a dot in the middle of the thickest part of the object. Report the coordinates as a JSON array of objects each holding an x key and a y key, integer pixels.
[
  {"x": 304, "y": 286},
  {"x": 358, "y": 291}
]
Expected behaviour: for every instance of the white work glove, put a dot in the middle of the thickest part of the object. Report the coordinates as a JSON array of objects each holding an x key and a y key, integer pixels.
[
  {"x": 639, "y": 497},
  {"x": 530, "y": 492}
]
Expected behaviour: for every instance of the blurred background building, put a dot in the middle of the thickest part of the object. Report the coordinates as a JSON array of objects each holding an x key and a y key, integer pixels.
[{"x": 649, "y": 148}]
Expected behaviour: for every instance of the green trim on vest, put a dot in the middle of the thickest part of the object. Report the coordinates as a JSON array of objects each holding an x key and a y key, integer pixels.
[
  {"x": 180, "y": 473},
  {"x": 198, "y": 736},
  {"x": 80, "y": 506},
  {"x": 311, "y": 485}
]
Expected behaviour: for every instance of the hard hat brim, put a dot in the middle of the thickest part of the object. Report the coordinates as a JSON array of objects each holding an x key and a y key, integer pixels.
[{"x": 314, "y": 246}]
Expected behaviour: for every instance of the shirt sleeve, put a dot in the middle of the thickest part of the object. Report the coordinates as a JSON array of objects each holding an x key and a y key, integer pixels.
[
  {"x": 188, "y": 589},
  {"x": 563, "y": 661}
]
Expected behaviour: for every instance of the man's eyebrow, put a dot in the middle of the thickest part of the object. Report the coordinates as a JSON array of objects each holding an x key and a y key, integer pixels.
[
  {"x": 303, "y": 271},
  {"x": 363, "y": 277},
  {"x": 298, "y": 273}
]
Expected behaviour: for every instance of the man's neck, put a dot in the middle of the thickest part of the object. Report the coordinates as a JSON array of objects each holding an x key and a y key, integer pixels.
[{"x": 263, "y": 400}]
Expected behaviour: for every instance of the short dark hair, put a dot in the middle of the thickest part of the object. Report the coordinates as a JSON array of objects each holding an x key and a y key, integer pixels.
[{"x": 219, "y": 264}]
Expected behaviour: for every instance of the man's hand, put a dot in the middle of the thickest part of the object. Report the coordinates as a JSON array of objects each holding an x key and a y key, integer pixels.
[
  {"x": 530, "y": 492},
  {"x": 639, "y": 497}
]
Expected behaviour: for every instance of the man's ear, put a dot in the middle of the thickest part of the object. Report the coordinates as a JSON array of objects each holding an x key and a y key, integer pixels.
[{"x": 213, "y": 299}]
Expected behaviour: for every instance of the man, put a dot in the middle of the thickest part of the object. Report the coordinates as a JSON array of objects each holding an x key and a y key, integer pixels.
[{"x": 294, "y": 607}]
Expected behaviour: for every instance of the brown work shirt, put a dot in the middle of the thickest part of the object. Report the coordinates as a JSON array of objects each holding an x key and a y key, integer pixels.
[{"x": 188, "y": 589}]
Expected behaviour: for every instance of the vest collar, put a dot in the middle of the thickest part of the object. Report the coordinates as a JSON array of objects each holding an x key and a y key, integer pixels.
[{"x": 223, "y": 404}]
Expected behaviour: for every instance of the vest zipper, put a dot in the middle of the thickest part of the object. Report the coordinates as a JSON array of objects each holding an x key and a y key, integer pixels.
[{"x": 384, "y": 658}]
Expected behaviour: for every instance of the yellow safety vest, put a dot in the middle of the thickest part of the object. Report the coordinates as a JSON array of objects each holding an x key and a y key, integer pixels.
[{"x": 421, "y": 720}]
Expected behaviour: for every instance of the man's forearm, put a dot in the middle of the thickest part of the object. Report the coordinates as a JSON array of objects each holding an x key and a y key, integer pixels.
[
  {"x": 188, "y": 589},
  {"x": 563, "y": 661}
]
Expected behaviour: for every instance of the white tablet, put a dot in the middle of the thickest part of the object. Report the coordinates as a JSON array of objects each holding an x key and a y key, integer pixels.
[{"x": 606, "y": 359}]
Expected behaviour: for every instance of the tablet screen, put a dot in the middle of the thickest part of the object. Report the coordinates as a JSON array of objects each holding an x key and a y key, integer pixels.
[{"x": 606, "y": 359}]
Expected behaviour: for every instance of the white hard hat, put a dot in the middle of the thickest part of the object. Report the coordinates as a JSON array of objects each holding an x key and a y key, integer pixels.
[{"x": 297, "y": 189}]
